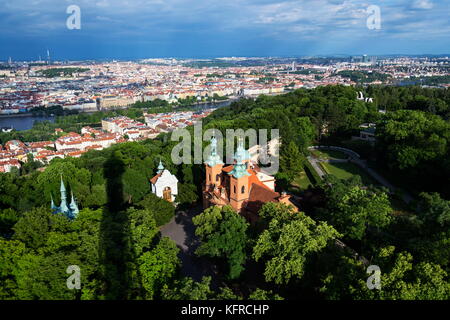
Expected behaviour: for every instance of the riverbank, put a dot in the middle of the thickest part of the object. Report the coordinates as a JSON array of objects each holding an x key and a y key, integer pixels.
[
  {"x": 25, "y": 121},
  {"x": 17, "y": 115}
]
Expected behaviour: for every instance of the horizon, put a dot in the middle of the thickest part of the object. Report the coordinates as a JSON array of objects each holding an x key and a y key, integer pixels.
[
  {"x": 133, "y": 30},
  {"x": 337, "y": 56}
]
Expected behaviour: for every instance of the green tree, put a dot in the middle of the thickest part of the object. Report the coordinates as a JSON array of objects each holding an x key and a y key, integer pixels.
[
  {"x": 223, "y": 234},
  {"x": 135, "y": 185},
  {"x": 411, "y": 137},
  {"x": 32, "y": 229},
  {"x": 286, "y": 244},
  {"x": 291, "y": 160},
  {"x": 306, "y": 132},
  {"x": 163, "y": 211},
  {"x": 158, "y": 266},
  {"x": 142, "y": 230},
  {"x": 402, "y": 279},
  {"x": 10, "y": 253},
  {"x": 188, "y": 289},
  {"x": 44, "y": 277},
  {"x": 351, "y": 209},
  {"x": 187, "y": 194},
  {"x": 260, "y": 294}
]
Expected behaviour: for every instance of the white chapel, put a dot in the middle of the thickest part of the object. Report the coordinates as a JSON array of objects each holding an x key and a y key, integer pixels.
[{"x": 164, "y": 184}]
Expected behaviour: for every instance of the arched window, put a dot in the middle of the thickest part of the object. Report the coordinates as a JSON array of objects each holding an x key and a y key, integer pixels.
[
  {"x": 234, "y": 188},
  {"x": 243, "y": 189},
  {"x": 209, "y": 177}
]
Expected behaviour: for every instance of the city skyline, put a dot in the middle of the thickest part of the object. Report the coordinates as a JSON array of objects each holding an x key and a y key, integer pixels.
[{"x": 129, "y": 30}]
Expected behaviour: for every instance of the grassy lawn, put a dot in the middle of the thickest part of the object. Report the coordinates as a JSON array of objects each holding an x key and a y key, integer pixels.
[
  {"x": 329, "y": 154},
  {"x": 302, "y": 181},
  {"x": 345, "y": 171}
]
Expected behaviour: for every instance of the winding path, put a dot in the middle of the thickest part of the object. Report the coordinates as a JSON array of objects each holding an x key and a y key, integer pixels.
[{"x": 356, "y": 159}]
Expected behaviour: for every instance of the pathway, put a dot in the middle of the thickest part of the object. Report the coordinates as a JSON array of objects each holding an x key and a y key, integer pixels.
[
  {"x": 182, "y": 231},
  {"x": 356, "y": 159}
]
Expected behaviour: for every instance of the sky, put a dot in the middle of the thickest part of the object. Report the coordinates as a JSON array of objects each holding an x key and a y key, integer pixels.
[{"x": 137, "y": 29}]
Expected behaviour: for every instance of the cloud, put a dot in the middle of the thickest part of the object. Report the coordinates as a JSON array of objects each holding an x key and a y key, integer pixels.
[
  {"x": 241, "y": 23},
  {"x": 422, "y": 4}
]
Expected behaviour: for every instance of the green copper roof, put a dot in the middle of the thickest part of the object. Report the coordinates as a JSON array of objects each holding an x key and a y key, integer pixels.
[
  {"x": 241, "y": 154},
  {"x": 62, "y": 188},
  {"x": 73, "y": 208},
  {"x": 70, "y": 211},
  {"x": 160, "y": 167},
  {"x": 53, "y": 204},
  {"x": 239, "y": 171},
  {"x": 214, "y": 158}
]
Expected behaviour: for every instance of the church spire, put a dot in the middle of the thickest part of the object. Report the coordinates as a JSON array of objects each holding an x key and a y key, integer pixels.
[
  {"x": 241, "y": 156},
  {"x": 62, "y": 187},
  {"x": 160, "y": 167},
  {"x": 52, "y": 205},
  {"x": 63, "y": 207},
  {"x": 214, "y": 158},
  {"x": 73, "y": 208}
]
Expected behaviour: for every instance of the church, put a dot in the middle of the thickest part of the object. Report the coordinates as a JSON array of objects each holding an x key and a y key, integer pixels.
[
  {"x": 70, "y": 211},
  {"x": 164, "y": 184},
  {"x": 242, "y": 185}
]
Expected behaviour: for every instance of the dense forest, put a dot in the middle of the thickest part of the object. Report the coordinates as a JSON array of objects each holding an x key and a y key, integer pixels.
[{"x": 321, "y": 253}]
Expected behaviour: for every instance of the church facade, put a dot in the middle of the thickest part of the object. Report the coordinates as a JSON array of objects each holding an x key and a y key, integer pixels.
[
  {"x": 242, "y": 185},
  {"x": 164, "y": 184}
]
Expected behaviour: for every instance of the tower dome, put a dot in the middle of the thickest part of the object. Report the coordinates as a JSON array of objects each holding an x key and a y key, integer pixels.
[{"x": 213, "y": 159}]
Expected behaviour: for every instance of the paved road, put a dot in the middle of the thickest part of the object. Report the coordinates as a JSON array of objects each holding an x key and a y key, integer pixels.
[
  {"x": 181, "y": 230},
  {"x": 315, "y": 164}
]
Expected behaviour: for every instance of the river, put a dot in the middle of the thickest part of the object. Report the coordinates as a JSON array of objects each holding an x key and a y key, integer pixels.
[
  {"x": 25, "y": 122},
  {"x": 22, "y": 122}
]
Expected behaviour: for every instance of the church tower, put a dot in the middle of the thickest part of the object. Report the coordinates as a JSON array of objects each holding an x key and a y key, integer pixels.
[
  {"x": 63, "y": 206},
  {"x": 214, "y": 167},
  {"x": 239, "y": 184}
]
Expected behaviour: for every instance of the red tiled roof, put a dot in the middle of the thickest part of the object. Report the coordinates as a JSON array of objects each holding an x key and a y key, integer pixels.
[
  {"x": 227, "y": 169},
  {"x": 260, "y": 195},
  {"x": 155, "y": 178}
]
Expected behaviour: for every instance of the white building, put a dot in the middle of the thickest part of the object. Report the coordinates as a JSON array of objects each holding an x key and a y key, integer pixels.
[{"x": 165, "y": 184}]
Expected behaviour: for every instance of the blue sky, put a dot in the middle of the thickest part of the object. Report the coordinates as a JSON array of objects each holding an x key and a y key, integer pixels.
[{"x": 133, "y": 29}]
